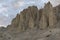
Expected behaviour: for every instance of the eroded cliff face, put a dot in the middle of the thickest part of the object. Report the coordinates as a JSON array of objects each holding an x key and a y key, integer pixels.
[
  {"x": 49, "y": 14},
  {"x": 34, "y": 24},
  {"x": 31, "y": 18},
  {"x": 27, "y": 19}
]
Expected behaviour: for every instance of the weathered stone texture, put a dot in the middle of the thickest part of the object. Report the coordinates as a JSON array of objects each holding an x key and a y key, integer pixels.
[
  {"x": 43, "y": 22},
  {"x": 50, "y": 14},
  {"x": 28, "y": 24},
  {"x": 33, "y": 18}
]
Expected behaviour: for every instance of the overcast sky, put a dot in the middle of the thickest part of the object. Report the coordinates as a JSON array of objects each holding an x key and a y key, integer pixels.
[{"x": 9, "y": 8}]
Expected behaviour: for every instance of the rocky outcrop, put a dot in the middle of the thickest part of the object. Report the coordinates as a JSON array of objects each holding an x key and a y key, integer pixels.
[
  {"x": 14, "y": 24},
  {"x": 43, "y": 22},
  {"x": 50, "y": 15},
  {"x": 28, "y": 19},
  {"x": 57, "y": 11},
  {"x": 31, "y": 18},
  {"x": 34, "y": 24}
]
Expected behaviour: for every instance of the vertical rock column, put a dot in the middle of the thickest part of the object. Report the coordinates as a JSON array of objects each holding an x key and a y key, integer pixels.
[
  {"x": 21, "y": 22},
  {"x": 31, "y": 23},
  {"x": 34, "y": 17},
  {"x": 51, "y": 15},
  {"x": 43, "y": 21}
]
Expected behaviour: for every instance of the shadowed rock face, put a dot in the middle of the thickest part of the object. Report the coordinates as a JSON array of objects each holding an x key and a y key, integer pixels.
[{"x": 34, "y": 24}]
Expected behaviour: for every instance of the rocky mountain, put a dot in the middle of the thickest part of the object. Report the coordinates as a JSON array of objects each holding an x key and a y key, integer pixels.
[
  {"x": 34, "y": 24},
  {"x": 33, "y": 18}
]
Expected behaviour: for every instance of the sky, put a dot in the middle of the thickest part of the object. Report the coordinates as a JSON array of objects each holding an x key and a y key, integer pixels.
[{"x": 9, "y": 8}]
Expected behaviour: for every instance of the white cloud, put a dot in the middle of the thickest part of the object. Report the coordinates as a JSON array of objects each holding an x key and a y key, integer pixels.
[
  {"x": 2, "y": 8},
  {"x": 31, "y": 2},
  {"x": 21, "y": 3},
  {"x": 18, "y": 4},
  {"x": 2, "y": 25}
]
